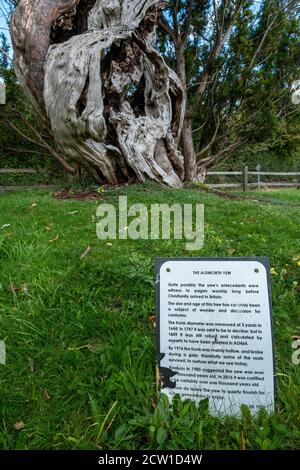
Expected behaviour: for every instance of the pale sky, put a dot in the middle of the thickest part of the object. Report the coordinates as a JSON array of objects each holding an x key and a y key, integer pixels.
[{"x": 3, "y": 26}]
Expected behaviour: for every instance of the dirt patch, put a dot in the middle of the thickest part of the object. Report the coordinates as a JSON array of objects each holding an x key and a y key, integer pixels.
[
  {"x": 223, "y": 194},
  {"x": 84, "y": 195}
]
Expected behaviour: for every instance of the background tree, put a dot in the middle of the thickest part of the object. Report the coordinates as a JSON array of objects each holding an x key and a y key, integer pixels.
[
  {"x": 22, "y": 136},
  {"x": 237, "y": 61}
]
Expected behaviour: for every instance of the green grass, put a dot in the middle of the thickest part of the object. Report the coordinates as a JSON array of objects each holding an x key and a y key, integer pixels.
[
  {"x": 78, "y": 331},
  {"x": 280, "y": 196}
]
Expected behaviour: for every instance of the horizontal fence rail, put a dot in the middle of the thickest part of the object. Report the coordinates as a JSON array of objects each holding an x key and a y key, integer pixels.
[
  {"x": 225, "y": 185},
  {"x": 17, "y": 170},
  {"x": 273, "y": 173},
  {"x": 245, "y": 184},
  {"x": 220, "y": 173},
  {"x": 21, "y": 171},
  {"x": 6, "y": 189}
]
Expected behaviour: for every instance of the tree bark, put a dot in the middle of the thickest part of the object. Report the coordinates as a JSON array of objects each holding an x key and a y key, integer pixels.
[
  {"x": 91, "y": 72},
  {"x": 190, "y": 162},
  {"x": 189, "y": 151}
]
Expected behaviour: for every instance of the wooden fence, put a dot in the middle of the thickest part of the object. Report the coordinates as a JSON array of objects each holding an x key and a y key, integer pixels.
[
  {"x": 17, "y": 171},
  {"x": 245, "y": 177}
]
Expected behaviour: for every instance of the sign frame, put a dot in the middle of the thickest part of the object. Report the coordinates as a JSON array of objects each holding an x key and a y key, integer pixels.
[{"x": 160, "y": 261}]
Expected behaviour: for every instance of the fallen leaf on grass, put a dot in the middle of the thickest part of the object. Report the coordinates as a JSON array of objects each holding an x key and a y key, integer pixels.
[
  {"x": 49, "y": 227},
  {"x": 19, "y": 425},
  {"x": 5, "y": 226},
  {"x": 72, "y": 213},
  {"x": 157, "y": 378},
  {"x": 109, "y": 244},
  {"x": 94, "y": 348},
  {"x": 85, "y": 253},
  {"x": 46, "y": 395},
  {"x": 54, "y": 239},
  {"x": 33, "y": 205},
  {"x": 23, "y": 289},
  {"x": 152, "y": 319}
]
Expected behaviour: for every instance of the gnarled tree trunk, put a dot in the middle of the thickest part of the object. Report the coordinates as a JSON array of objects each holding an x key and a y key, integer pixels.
[{"x": 91, "y": 72}]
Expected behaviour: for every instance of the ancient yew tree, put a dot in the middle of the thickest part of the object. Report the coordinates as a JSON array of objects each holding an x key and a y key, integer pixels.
[{"x": 91, "y": 71}]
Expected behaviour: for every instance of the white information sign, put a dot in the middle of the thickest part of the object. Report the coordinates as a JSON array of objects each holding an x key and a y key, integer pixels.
[{"x": 215, "y": 332}]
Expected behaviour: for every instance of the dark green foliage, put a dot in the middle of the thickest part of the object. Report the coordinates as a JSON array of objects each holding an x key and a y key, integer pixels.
[
  {"x": 239, "y": 79},
  {"x": 18, "y": 147}
]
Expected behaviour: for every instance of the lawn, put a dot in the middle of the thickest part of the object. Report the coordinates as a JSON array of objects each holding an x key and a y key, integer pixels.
[
  {"x": 280, "y": 196},
  {"x": 80, "y": 369}
]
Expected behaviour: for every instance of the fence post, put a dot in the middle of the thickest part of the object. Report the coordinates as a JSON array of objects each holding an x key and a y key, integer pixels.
[
  {"x": 245, "y": 179},
  {"x": 2, "y": 93},
  {"x": 258, "y": 169},
  {"x": 298, "y": 178}
]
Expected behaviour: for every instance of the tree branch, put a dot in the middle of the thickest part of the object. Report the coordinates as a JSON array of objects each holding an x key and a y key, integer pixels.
[
  {"x": 39, "y": 142},
  {"x": 188, "y": 19},
  {"x": 213, "y": 158},
  {"x": 175, "y": 20},
  {"x": 165, "y": 25}
]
